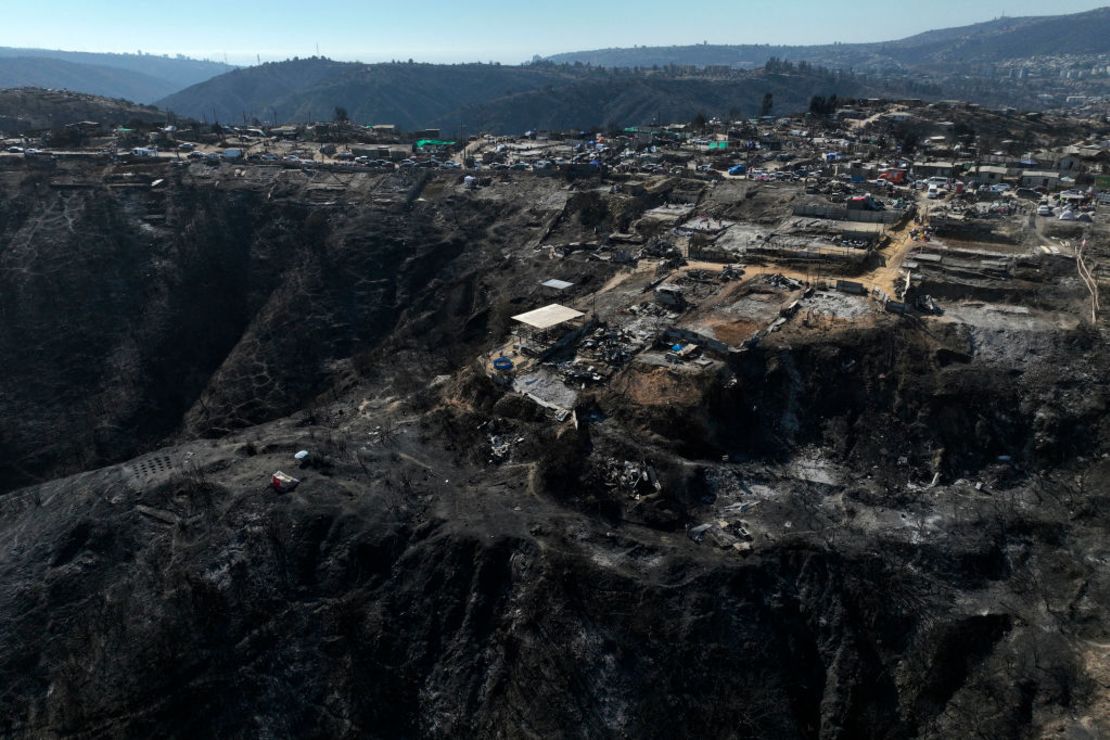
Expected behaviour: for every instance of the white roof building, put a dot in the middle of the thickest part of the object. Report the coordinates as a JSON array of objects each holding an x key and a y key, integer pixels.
[{"x": 548, "y": 317}]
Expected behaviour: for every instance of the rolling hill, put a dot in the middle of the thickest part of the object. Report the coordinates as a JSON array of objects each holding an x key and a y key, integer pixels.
[
  {"x": 143, "y": 78},
  {"x": 992, "y": 41},
  {"x": 615, "y": 101},
  {"x": 86, "y": 78},
  {"x": 409, "y": 95},
  {"x": 23, "y": 110},
  {"x": 483, "y": 97}
]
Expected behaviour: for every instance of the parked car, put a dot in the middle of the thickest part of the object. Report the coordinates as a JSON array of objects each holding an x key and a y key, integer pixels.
[
  {"x": 15, "y": 150},
  {"x": 1044, "y": 210}
]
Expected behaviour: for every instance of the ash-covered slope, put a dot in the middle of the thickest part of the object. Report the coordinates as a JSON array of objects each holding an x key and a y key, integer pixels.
[
  {"x": 863, "y": 527},
  {"x": 133, "y": 312},
  {"x": 410, "y": 588}
]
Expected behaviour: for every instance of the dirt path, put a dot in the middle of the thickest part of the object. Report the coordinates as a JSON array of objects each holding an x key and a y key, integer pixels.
[
  {"x": 889, "y": 275},
  {"x": 1088, "y": 279}
]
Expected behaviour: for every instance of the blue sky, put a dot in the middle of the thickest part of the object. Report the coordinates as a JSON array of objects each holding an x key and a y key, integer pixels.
[{"x": 472, "y": 30}]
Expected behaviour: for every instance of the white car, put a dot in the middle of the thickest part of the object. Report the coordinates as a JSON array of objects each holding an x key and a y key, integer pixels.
[{"x": 1044, "y": 210}]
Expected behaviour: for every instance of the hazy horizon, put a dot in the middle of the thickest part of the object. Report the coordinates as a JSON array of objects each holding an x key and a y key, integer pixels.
[{"x": 442, "y": 32}]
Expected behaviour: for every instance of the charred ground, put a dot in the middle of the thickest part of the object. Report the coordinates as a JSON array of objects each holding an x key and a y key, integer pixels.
[{"x": 864, "y": 525}]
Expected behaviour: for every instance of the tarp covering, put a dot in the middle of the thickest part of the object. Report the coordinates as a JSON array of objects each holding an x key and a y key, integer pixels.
[{"x": 420, "y": 144}]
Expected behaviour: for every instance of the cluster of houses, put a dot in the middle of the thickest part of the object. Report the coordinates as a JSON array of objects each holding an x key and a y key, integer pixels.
[{"x": 861, "y": 146}]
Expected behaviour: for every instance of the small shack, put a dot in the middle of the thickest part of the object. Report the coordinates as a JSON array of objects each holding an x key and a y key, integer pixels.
[
  {"x": 556, "y": 286},
  {"x": 1040, "y": 179}
]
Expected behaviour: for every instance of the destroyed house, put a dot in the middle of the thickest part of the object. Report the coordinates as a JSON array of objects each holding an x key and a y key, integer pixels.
[{"x": 671, "y": 295}]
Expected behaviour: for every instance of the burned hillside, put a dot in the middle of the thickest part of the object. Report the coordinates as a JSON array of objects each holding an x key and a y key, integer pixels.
[{"x": 627, "y": 449}]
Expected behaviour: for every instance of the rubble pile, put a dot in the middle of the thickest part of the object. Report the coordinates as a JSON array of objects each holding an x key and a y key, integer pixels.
[
  {"x": 580, "y": 373},
  {"x": 614, "y": 346},
  {"x": 723, "y": 534},
  {"x": 781, "y": 281},
  {"x": 632, "y": 478},
  {"x": 501, "y": 446}
]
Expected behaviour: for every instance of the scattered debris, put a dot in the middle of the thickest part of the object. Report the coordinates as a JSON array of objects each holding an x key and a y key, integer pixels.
[
  {"x": 631, "y": 477},
  {"x": 283, "y": 483}
]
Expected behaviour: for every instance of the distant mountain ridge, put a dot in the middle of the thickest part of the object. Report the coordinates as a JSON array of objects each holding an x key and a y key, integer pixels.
[
  {"x": 143, "y": 78},
  {"x": 86, "y": 78},
  {"x": 991, "y": 41},
  {"x": 600, "y": 88}
]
